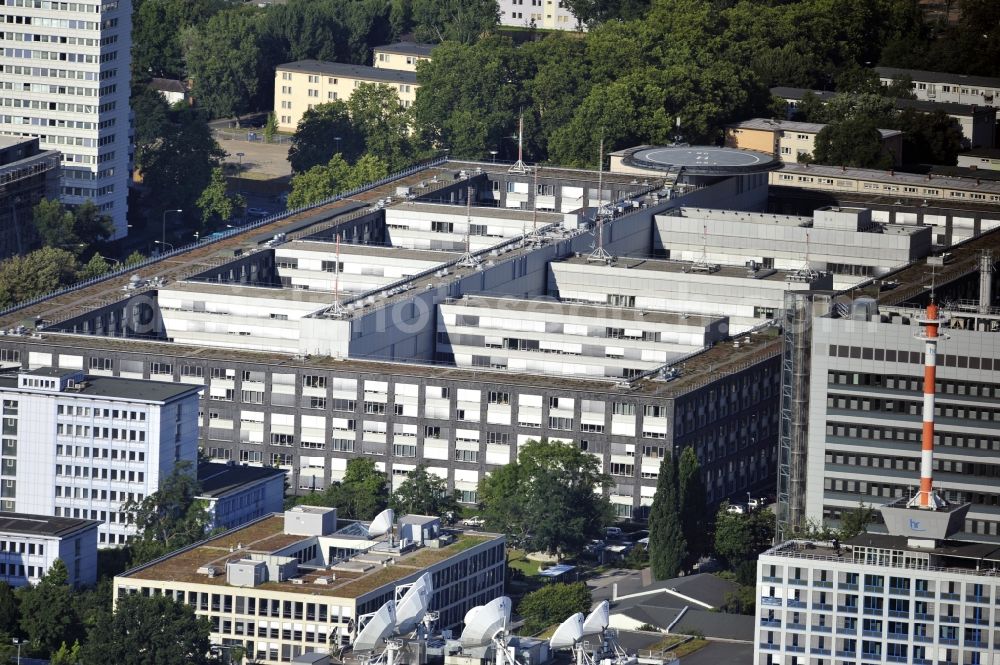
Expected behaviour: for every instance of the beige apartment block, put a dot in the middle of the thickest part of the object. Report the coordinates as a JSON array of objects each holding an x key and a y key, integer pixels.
[
  {"x": 301, "y": 85},
  {"x": 402, "y": 56},
  {"x": 789, "y": 140}
]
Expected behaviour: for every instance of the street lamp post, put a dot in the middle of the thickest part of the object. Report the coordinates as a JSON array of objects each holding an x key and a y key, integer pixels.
[
  {"x": 18, "y": 643},
  {"x": 337, "y": 139},
  {"x": 163, "y": 226},
  {"x": 239, "y": 173},
  {"x": 493, "y": 154},
  {"x": 165, "y": 244},
  {"x": 114, "y": 262}
]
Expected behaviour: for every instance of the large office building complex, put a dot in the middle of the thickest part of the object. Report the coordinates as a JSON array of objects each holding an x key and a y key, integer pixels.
[
  {"x": 466, "y": 333},
  {"x": 299, "y": 582},
  {"x": 81, "y": 445},
  {"x": 64, "y": 78}
]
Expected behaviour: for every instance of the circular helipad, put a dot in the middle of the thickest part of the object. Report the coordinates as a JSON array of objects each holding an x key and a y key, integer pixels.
[{"x": 701, "y": 160}]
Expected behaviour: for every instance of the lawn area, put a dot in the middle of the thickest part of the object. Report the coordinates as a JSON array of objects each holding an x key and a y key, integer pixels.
[
  {"x": 518, "y": 560},
  {"x": 685, "y": 649}
]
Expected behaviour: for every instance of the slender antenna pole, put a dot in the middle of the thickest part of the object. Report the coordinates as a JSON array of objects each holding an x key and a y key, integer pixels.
[{"x": 468, "y": 260}]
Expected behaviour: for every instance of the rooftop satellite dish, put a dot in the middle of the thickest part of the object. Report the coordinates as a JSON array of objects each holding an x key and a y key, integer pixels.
[
  {"x": 382, "y": 523},
  {"x": 380, "y": 626},
  {"x": 568, "y": 633},
  {"x": 412, "y": 607},
  {"x": 484, "y": 622},
  {"x": 598, "y": 619}
]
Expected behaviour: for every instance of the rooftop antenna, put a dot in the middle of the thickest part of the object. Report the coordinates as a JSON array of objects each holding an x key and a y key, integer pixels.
[
  {"x": 337, "y": 309},
  {"x": 926, "y": 498},
  {"x": 599, "y": 253},
  {"x": 519, "y": 166},
  {"x": 469, "y": 260},
  {"x": 806, "y": 272}
]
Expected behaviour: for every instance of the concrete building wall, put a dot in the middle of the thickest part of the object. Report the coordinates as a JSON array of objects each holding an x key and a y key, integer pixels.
[
  {"x": 545, "y": 14},
  {"x": 310, "y": 420},
  {"x": 25, "y": 558}
]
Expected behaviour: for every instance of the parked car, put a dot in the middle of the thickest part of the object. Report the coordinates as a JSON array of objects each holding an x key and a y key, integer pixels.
[
  {"x": 257, "y": 212},
  {"x": 737, "y": 509},
  {"x": 474, "y": 521},
  {"x": 614, "y": 533}
]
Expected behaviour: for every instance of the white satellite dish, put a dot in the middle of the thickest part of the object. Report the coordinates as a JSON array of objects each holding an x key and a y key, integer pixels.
[
  {"x": 484, "y": 622},
  {"x": 598, "y": 619},
  {"x": 382, "y": 523},
  {"x": 380, "y": 626},
  {"x": 412, "y": 607},
  {"x": 568, "y": 633}
]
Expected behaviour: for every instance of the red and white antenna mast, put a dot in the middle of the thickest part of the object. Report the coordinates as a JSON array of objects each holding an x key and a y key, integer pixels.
[{"x": 927, "y": 498}]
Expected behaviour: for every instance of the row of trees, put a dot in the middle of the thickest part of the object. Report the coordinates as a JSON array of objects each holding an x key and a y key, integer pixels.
[
  {"x": 677, "y": 525},
  {"x": 71, "y": 240}
]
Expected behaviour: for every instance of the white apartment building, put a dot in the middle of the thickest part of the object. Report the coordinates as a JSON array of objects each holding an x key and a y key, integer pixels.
[
  {"x": 30, "y": 544},
  {"x": 80, "y": 446},
  {"x": 234, "y": 494},
  {"x": 297, "y": 583},
  {"x": 560, "y": 338},
  {"x": 945, "y": 87},
  {"x": 911, "y": 597},
  {"x": 748, "y": 295},
  {"x": 315, "y": 265},
  {"x": 843, "y": 241},
  {"x": 64, "y": 77},
  {"x": 544, "y": 14}
]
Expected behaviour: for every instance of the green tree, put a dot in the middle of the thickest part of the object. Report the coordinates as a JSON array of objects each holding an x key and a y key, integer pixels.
[
  {"x": 551, "y": 498},
  {"x": 224, "y": 58},
  {"x": 270, "y": 127},
  {"x": 552, "y": 604},
  {"x": 856, "y": 521},
  {"x": 337, "y": 176},
  {"x": 95, "y": 267},
  {"x": 134, "y": 258},
  {"x": 8, "y": 609},
  {"x": 169, "y": 518},
  {"x": 148, "y": 630},
  {"x": 47, "y": 616},
  {"x": 89, "y": 225},
  {"x": 462, "y": 21},
  {"x": 176, "y": 159},
  {"x": 854, "y": 142},
  {"x": 591, "y": 12},
  {"x": 215, "y": 203},
  {"x": 54, "y": 224},
  {"x": 384, "y": 124},
  {"x": 157, "y": 51},
  {"x": 740, "y": 537},
  {"x": 667, "y": 547},
  {"x": 315, "y": 140},
  {"x": 691, "y": 505},
  {"x": 423, "y": 493},
  {"x": 42, "y": 271},
  {"x": 470, "y": 96},
  {"x": 361, "y": 495},
  {"x": 930, "y": 138},
  {"x": 741, "y": 601},
  {"x": 66, "y": 655}
]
